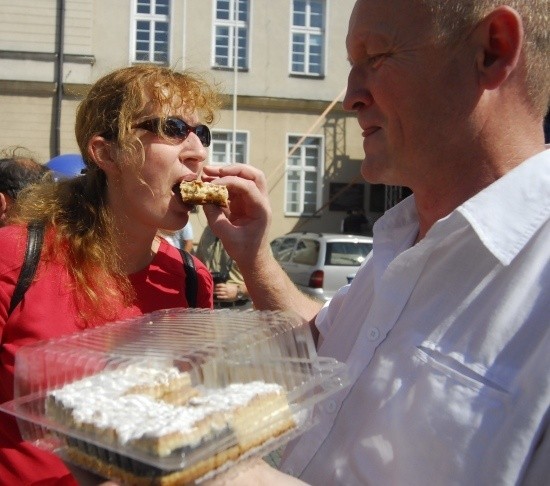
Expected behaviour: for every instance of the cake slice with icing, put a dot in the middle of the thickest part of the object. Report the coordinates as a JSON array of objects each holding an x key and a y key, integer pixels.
[{"x": 126, "y": 409}]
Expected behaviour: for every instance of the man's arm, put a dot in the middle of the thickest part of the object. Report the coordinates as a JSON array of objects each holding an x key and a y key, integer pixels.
[
  {"x": 243, "y": 229},
  {"x": 188, "y": 245}
]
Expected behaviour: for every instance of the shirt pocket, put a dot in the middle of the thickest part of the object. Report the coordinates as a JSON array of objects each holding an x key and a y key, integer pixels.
[
  {"x": 458, "y": 412},
  {"x": 454, "y": 369}
]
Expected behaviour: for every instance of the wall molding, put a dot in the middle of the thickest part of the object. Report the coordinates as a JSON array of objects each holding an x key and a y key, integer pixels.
[{"x": 47, "y": 57}]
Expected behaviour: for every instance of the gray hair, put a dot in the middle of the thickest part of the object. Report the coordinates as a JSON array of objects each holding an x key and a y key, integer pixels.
[{"x": 455, "y": 19}]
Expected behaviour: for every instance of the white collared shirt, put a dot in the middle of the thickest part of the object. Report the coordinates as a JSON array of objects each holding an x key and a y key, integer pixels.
[{"x": 448, "y": 347}]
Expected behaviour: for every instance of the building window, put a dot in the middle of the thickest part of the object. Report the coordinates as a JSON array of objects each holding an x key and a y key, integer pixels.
[
  {"x": 304, "y": 172},
  {"x": 307, "y": 37},
  {"x": 151, "y": 31},
  {"x": 231, "y": 22},
  {"x": 222, "y": 149}
]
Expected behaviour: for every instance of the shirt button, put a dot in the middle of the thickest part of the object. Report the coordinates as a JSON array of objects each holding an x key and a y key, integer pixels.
[
  {"x": 374, "y": 334},
  {"x": 330, "y": 407}
]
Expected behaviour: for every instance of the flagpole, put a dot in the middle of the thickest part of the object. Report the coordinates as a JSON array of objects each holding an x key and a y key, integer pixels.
[{"x": 235, "y": 72}]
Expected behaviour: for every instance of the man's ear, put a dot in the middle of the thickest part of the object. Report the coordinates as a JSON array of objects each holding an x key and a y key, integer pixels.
[
  {"x": 102, "y": 153},
  {"x": 499, "y": 39}
]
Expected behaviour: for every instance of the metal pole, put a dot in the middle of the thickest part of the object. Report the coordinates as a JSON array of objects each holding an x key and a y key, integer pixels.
[
  {"x": 235, "y": 72},
  {"x": 184, "y": 39},
  {"x": 59, "y": 76}
]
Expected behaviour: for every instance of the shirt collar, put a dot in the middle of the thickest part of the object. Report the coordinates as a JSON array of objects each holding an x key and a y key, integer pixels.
[{"x": 506, "y": 214}]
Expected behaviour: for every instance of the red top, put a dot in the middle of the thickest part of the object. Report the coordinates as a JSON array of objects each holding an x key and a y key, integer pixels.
[{"x": 48, "y": 310}]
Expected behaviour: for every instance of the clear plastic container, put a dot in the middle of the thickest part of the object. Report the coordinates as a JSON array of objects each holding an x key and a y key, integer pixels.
[{"x": 216, "y": 350}]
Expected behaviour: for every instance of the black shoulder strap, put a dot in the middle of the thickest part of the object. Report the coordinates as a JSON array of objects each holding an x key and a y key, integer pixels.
[
  {"x": 191, "y": 280},
  {"x": 35, "y": 240}
]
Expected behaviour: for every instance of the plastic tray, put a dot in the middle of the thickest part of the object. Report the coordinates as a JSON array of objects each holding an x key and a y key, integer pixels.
[{"x": 217, "y": 348}]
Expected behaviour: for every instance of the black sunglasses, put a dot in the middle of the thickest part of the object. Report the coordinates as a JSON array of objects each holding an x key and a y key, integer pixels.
[{"x": 176, "y": 128}]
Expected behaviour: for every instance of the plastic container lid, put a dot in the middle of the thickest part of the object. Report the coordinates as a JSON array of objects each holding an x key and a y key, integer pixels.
[{"x": 218, "y": 351}]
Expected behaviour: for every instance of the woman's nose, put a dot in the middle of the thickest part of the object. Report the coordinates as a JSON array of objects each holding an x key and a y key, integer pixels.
[{"x": 193, "y": 149}]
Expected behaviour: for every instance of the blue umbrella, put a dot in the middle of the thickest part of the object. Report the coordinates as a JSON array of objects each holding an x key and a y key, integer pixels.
[{"x": 66, "y": 166}]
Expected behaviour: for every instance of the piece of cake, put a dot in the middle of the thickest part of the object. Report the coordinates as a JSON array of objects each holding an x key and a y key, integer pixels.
[
  {"x": 126, "y": 409},
  {"x": 200, "y": 192}
]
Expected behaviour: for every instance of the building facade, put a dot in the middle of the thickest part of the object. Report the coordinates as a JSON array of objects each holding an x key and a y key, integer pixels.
[{"x": 281, "y": 65}]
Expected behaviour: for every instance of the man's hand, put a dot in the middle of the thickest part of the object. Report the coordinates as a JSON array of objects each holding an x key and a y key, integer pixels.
[
  {"x": 226, "y": 291},
  {"x": 253, "y": 472},
  {"x": 243, "y": 229},
  {"x": 242, "y": 226}
]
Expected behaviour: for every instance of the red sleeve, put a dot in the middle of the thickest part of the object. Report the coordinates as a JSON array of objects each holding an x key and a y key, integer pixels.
[{"x": 13, "y": 241}]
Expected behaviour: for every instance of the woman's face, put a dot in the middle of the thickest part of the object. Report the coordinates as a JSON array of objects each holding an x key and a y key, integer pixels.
[{"x": 145, "y": 196}]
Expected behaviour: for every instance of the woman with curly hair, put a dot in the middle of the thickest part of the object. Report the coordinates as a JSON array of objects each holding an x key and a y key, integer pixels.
[{"x": 140, "y": 131}]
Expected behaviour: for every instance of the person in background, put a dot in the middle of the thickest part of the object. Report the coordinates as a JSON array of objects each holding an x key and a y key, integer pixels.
[
  {"x": 445, "y": 328},
  {"x": 141, "y": 132},
  {"x": 18, "y": 169},
  {"x": 355, "y": 223},
  {"x": 182, "y": 238},
  {"x": 229, "y": 287}
]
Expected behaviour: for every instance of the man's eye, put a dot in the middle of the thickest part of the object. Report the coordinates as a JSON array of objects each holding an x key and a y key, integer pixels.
[
  {"x": 376, "y": 60},
  {"x": 372, "y": 60}
]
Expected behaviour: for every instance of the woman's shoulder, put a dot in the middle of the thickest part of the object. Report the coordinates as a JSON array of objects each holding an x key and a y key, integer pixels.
[
  {"x": 175, "y": 253},
  {"x": 13, "y": 241},
  {"x": 13, "y": 231}
]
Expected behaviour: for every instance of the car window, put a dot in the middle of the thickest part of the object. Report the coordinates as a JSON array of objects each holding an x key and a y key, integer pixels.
[
  {"x": 284, "y": 250},
  {"x": 347, "y": 253},
  {"x": 306, "y": 252}
]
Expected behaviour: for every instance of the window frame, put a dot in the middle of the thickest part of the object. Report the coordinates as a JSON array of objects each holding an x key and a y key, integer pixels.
[
  {"x": 303, "y": 169},
  {"x": 231, "y": 25},
  {"x": 308, "y": 32},
  {"x": 229, "y": 143},
  {"x": 152, "y": 19}
]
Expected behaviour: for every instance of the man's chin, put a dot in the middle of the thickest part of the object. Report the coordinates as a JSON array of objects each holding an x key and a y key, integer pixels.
[{"x": 372, "y": 172}]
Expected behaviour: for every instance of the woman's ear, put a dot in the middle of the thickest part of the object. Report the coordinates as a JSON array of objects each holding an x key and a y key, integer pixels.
[
  {"x": 3, "y": 207},
  {"x": 499, "y": 38},
  {"x": 102, "y": 152}
]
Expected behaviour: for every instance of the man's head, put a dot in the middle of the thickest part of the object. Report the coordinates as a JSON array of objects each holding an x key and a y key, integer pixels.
[
  {"x": 437, "y": 84},
  {"x": 17, "y": 171},
  {"x": 455, "y": 19}
]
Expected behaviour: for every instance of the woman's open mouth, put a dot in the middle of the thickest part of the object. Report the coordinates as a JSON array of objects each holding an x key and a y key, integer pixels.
[{"x": 177, "y": 194}]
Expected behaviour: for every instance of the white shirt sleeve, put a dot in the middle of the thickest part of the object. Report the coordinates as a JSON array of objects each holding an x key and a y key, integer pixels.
[{"x": 187, "y": 232}]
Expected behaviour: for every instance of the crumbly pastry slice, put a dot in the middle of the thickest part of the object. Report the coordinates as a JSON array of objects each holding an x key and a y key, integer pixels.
[
  {"x": 255, "y": 411},
  {"x": 98, "y": 403},
  {"x": 200, "y": 192},
  {"x": 168, "y": 384},
  {"x": 112, "y": 408}
]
